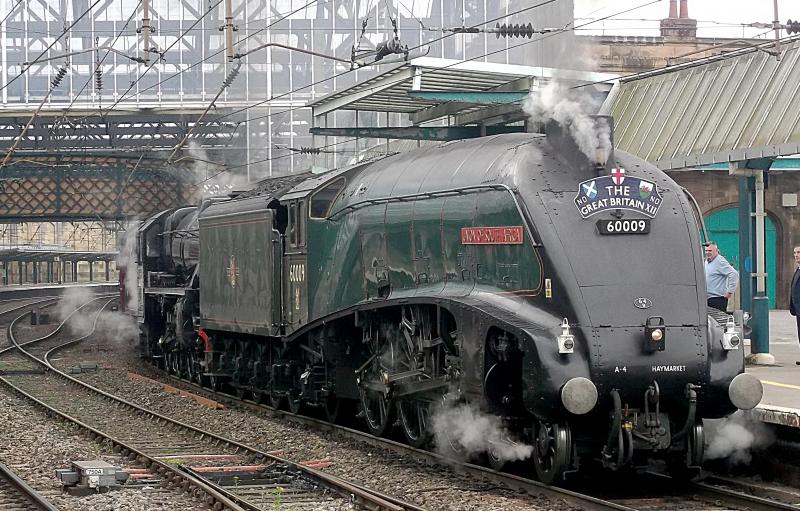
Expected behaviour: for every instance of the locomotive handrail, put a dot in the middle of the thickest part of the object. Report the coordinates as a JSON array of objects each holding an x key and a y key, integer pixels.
[
  {"x": 191, "y": 233},
  {"x": 437, "y": 193},
  {"x": 411, "y": 196},
  {"x": 697, "y": 212}
]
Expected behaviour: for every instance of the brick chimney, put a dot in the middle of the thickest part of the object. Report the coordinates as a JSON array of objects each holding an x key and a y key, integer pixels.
[{"x": 679, "y": 26}]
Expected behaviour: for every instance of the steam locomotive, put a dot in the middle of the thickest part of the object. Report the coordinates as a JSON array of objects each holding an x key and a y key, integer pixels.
[{"x": 510, "y": 272}]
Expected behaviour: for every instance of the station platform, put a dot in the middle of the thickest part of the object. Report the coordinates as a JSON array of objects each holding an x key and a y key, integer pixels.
[
  {"x": 781, "y": 401},
  {"x": 34, "y": 291}
]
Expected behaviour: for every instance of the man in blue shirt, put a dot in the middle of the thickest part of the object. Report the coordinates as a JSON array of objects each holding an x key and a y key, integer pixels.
[
  {"x": 794, "y": 292},
  {"x": 721, "y": 278}
]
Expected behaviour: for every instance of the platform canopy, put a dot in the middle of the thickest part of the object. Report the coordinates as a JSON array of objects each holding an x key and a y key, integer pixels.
[
  {"x": 472, "y": 92},
  {"x": 742, "y": 105},
  {"x": 47, "y": 253}
]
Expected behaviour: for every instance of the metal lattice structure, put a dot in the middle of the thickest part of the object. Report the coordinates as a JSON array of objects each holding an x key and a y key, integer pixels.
[
  {"x": 70, "y": 190},
  {"x": 153, "y": 130},
  {"x": 277, "y": 80}
]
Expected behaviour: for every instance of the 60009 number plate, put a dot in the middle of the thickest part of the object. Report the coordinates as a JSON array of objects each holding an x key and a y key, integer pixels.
[{"x": 633, "y": 226}]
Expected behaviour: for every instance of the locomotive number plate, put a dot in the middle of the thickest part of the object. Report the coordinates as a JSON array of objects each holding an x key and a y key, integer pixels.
[{"x": 634, "y": 226}]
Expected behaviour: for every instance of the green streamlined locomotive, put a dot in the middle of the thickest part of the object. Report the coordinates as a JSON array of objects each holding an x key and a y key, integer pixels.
[{"x": 508, "y": 272}]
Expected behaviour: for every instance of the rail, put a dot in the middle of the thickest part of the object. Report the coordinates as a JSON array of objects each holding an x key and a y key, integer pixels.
[
  {"x": 21, "y": 487},
  {"x": 218, "y": 496}
]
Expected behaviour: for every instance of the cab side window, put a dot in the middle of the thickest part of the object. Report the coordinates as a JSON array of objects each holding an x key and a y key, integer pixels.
[
  {"x": 301, "y": 224},
  {"x": 292, "y": 234},
  {"x": 296, "y": 230},
  {"x": 322, "y": 200}
]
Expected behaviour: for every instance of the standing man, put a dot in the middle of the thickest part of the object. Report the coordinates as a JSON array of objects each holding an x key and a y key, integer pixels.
[
  {"x": 721, "y": 278},
  {"x": 794, "y": 292}
]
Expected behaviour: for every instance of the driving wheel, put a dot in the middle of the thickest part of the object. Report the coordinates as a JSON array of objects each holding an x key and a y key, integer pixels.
[{"x": 552, "y": 451}]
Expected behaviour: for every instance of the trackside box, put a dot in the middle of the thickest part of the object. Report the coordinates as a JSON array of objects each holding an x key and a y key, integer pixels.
[{"x": 240, "y": 268}]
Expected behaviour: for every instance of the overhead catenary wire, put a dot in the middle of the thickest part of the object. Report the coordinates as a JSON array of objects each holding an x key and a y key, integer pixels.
[
  {"x": 251, "y": 35},
  {"x": 121, "y": 97},
  {"x": 130, "y": 87},
  {"x": 75, "y": 97},
  {"x": 211, "y": 8},
  {"x": 11, "y": 11},
  {"x": 542, "y": 37},
  {"x": 234, "y": 72},
  {"x": 301, "y": 88},
  {"x": 450, "y": 34},
  {"x": 226, "y": 82},
  {"x": 343, "y": 73},
  {"x": 224, "y": 86},
  {"x": 62, "y": 72},
  {"x": 444, "y": 36},
  {"x": 234, "y": 167},
  {"x": 323, "y": 80},
  {"x": 49, "y": 46},
  {"x": 212, "y": 55}
]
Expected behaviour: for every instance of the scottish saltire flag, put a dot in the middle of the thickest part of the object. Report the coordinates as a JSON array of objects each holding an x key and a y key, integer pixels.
[{"x": 590, "y": 189}]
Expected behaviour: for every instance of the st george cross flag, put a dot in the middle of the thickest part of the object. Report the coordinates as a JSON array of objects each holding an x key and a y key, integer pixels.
[{"x": 618, "y": 175}]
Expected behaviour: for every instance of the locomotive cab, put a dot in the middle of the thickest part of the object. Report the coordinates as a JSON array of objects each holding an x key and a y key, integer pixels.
[{"x": 308, "y": 205}]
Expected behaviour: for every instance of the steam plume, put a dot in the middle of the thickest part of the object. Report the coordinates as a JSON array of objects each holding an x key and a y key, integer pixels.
[
  {"x": 214, "y": 178},
  {"x": 127, "y": 260},
  {"x": 572, "y": 111},
  {"x": 80, "y": 322},
  {"x": 109, "y": 326},
  {"x": 734, "y": 438},
  {"x": 473, "y": 432}
]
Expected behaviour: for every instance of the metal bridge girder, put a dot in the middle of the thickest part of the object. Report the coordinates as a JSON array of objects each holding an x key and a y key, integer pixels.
[
  {"x": 441, "y": 133},
  {"x": 83, "y": 192}
]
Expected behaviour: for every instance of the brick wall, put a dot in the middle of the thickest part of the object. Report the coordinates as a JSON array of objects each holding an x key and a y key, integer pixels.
[{"x": 715, "y": 190}]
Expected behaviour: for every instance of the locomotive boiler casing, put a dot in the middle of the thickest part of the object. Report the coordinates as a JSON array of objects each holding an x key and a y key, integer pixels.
[
  {"x": 184, "y": 245},
  {"x": 394, "y": 233}
]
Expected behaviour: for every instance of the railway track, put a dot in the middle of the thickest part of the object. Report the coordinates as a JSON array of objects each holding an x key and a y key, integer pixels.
[
  {"x": 487, "y": 477},
  {"x": 9, "y": 307},
  {"x": 17, "y": 361},
  {"x": 224, "y": 473},
  {"x": 648, "y": 492},
  {"x": 261, "y": 479},
  {"x": 16, "y": 495},
  {"x": 13, "y": 304}
]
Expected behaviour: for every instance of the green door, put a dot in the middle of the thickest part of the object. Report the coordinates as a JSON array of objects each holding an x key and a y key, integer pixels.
[{"x": 723, "y": 227}]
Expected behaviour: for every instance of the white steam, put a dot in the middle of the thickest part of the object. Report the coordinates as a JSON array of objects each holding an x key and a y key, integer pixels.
[
  {"x": 116, "y": 328},
  {"x": 572, "y": 110},
  {"x": 211, "y": 177},
  {"x": 734, "y": 438},
  {"x": 464, "y": 429},
  {"x": 72, "y": 299},
  {"x": 127, "y": 260},
  {"x": 80, "y": 321},
  {"x": 108, "y": 326}
]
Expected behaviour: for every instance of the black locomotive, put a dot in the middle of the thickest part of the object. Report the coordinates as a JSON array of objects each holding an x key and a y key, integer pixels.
[{"x": 509, "y": 272}]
